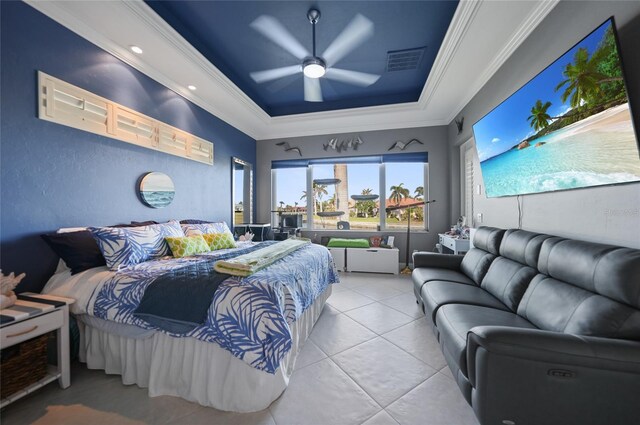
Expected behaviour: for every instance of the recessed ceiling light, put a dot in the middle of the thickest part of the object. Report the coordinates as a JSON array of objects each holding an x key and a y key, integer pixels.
[
  {"x": 191, "y": 87},
  {"x": 136, "y": 49}
]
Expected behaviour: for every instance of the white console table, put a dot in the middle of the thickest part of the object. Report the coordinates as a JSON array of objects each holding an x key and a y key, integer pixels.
[
  {"x": 374, "y": 260},
  {"x": 458, "y": 246}
]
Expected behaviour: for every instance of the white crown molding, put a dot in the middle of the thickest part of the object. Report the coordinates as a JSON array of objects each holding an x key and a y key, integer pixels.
[
  {"x": 69, "y": 15},
  {"x": 460, "y": 23},
  {"x": 149, "y": 16},
  {"x": 222, "y": 98},
  {"x": 524, "y": 30}
]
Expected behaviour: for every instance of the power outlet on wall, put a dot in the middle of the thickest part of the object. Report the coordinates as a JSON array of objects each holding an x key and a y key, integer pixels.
[{"x": 479, "y": 218}]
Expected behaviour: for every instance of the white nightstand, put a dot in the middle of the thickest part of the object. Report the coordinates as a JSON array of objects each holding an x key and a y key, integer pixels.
[
  {"x": 31, "y": 316},
  {"x": 458, "y": 246}
]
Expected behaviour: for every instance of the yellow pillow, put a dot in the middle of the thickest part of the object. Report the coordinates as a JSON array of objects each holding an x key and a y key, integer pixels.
[
  {"x": 219, "y": 240},
  {"x": 185, "y": 246}
]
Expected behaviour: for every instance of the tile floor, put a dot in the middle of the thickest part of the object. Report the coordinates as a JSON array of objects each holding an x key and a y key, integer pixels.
[{"x": 371, "y": 359}]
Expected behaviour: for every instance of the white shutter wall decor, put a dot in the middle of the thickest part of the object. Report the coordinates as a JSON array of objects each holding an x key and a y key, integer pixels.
[{"x": 65, "y": 104}]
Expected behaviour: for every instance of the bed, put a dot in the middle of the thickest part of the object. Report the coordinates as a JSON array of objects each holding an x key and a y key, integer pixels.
[{"x": 240, "y": 359}]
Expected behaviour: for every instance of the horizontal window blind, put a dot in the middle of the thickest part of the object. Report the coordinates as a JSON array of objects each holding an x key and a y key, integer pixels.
[
  {"x": 65, "y": 104},
  {"x": 371, "y": 159}
]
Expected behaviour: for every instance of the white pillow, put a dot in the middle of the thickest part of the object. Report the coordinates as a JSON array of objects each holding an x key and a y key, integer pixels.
[{"x": 71, "y": 229}]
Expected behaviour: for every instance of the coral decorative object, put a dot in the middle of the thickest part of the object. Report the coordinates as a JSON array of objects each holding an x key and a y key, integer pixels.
[
  {"x": 7, "y": 285},
  {"x": 247, "y": 237}
]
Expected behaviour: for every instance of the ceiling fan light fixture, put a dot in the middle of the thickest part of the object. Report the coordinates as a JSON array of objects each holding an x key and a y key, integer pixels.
[{"x": 314, "y": 68}]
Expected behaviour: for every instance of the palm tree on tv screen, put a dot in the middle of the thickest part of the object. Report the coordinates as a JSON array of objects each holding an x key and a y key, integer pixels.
[
  {"x": 582, "y": 78},
  {"x": 539, "y": 117}
]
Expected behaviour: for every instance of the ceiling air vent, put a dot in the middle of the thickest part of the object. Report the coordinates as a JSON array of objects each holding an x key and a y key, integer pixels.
[{"x": 402, "y": 60}]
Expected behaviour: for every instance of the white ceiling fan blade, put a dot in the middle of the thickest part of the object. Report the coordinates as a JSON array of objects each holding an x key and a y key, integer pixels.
[
  {"x": 271, "y": 28},
  {"x": 358, "y": 30},
  {"x": 312, "y": 90},
  {"x": 351, "y": 77},
  {"x": 275, "y": 73}
]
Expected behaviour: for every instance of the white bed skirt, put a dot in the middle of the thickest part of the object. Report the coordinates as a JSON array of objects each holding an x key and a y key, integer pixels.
[{"x": 197, "y": 371}]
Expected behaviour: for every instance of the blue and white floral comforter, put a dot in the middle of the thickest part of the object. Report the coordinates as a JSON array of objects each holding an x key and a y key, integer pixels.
[{"x": 248, "y": 316}]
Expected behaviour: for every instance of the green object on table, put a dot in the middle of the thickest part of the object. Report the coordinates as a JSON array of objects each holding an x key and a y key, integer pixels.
[{"x": 348, "y": 243}]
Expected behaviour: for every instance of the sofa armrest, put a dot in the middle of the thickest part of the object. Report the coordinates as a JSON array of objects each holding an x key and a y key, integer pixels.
[
  {"x": 513, "y": 367},
  {"x": 433, "y": 259}
]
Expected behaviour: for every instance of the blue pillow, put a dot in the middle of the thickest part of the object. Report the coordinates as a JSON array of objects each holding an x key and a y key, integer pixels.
[
  {"x": 126, "y": 246},
  {"x": 78, "y": 250}
]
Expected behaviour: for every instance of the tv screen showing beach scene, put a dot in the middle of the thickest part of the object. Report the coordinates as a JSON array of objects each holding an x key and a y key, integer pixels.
[{"x": 569, "y": 127}]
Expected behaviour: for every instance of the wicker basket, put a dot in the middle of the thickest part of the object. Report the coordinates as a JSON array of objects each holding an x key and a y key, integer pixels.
[{"x": 23, "y": 364}]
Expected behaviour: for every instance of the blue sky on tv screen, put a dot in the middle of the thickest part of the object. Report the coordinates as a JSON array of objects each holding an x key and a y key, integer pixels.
[{"x": 507, "y": 124}]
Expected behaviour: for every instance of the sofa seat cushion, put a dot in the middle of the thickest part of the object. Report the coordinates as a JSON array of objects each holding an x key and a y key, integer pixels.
[
  {"x": 455, "y": 320},
  {"x": 436, "y": 294},
  {"x": 422, "y": 275}
]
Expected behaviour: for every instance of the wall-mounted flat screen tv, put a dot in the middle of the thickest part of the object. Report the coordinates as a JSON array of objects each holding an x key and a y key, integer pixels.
[{"x": 569, "y": 127}]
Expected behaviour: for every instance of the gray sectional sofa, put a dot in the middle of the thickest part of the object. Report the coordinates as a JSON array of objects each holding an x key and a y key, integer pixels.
[{"x": 537, "y": 329}]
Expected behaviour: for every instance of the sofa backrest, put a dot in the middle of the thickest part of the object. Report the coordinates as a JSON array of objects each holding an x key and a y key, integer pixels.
[
  {"x": 509, "y": 274},
  {"x": 522, "y": 246},
  {"x": 585, "y": 288},
  {"x": 486, "y": 243}
]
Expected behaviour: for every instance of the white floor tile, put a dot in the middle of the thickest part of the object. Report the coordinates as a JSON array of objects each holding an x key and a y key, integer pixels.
[
  {"x": 208, "y": 416},
  {"x": 348, "y": 300},
  {"x": 379, "y": 318},
  {"x": 418, "y": 339},
  {"x": 406, "y": 303},
  {"x": 437, "y": 401},
  {"x": 383, "y": 370},
  {"x": 379, "y": 290},
  {"x": 446, "y": 372},
  {"x": 336, "y": 333},
  {"x": 309, "y": 354},
  {"x": 381, "y": 418},
  {"x": 323, "y": 394}
]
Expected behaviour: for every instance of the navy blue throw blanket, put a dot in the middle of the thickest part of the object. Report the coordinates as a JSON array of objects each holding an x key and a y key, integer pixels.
[{"x": 178, "y": 300}]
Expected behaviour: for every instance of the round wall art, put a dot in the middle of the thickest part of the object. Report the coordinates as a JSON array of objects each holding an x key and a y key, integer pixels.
[{"x": 156, "y": 190}]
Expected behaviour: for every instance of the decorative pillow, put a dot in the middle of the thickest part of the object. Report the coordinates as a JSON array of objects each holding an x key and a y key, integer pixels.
[
  {"x": 126, "y": 246},
  {"x": 348, "y": 243},
  {"x": 78, "y": 250},
  {"x": 219, "y": 241},
  {"x": 204, "y": 228},
  {"x": 187, "y": 245}
]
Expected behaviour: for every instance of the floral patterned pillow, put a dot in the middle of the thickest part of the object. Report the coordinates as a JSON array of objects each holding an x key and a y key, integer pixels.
[
  {"x": 204, "y": 228},
  {"x": 186, "y": 246},
  {"x": 126, "y": 246},
  {"x": 217, "y": 241}
]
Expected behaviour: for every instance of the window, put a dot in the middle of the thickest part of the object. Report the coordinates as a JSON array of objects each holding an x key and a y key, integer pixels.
[
  {"x": 404, "y": 187},
  {"x": 467, "y": 183},
  {"x": 334, "y": 198},
  {"x": 352, "y": 193},
  {"x": 289, "y": 192}
]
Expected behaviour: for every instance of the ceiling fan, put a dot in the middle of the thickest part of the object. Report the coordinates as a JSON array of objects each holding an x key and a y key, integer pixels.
[{"x": 314, "y": 67}]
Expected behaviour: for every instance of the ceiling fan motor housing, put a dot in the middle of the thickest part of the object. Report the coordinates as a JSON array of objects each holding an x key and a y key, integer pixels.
[
  {"x": 314, "y": 67},
  {"x": 313, "y": 15}
]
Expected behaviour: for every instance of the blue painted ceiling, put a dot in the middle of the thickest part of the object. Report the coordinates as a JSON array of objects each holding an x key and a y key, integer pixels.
[{"x": 221, "y": 31}]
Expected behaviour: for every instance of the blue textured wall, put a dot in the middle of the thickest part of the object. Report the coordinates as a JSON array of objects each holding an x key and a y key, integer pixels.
[{"x": 54, "y": 176}]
